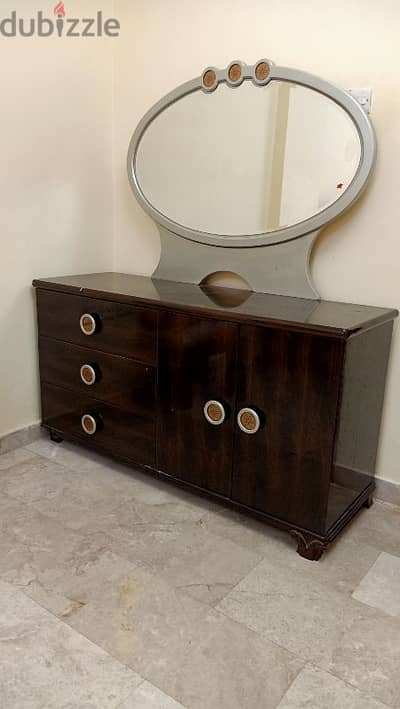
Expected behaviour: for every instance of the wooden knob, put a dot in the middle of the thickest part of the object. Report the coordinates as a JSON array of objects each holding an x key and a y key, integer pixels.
[
  {"x": 88, "y": 323},
  {"x": 88, "y": 374},
  {"x": 248, "y": 421},
  {"x": 214, "y": 412},
  {"x": 89, "y": 424}
]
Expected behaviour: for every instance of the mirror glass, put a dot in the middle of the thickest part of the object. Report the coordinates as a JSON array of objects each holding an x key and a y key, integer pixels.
[{"x": 247, "y": 160}]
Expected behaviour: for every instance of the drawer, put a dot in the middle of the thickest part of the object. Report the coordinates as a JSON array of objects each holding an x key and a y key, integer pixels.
[
  {"x": 117, "y": 328},
  {"x": 109, "y": 428},
  {"x": 117, "y": 380}
]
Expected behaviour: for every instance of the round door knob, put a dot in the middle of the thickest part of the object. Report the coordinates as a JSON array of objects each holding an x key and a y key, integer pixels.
[
  {"x": 89, "y": 424},
  {"x": 214, "y": 412},
  {"x": 88, "y": 324},
  {"x": 248, "y": 420},
  {"x": 88, "y": 374}
]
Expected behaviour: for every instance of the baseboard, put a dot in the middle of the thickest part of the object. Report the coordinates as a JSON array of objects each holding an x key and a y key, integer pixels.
[
  {"x": 387, "y": 491},
  {"x": 22, "y": 437}
]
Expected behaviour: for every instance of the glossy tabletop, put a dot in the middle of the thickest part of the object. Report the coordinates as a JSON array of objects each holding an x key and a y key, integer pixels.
[{"x": 330, "y": 318}]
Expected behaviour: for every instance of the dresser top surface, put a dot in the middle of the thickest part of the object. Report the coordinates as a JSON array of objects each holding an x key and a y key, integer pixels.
[{"x": 340, "y": 319}]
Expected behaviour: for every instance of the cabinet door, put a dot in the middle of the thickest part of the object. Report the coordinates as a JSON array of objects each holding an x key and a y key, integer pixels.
[
  {"x": 292, "y": 381},
  {"x": 197, "y": 360}
]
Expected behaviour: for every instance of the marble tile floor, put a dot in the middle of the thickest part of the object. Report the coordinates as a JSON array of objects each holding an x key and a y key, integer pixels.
[{"x": 120, "y": 591}]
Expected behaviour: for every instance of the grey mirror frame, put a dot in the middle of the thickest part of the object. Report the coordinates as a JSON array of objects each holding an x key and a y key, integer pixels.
[{"x": 309, "y": 226}]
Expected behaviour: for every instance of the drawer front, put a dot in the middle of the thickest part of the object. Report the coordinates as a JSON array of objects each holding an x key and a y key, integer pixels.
[
  {"x": 109, "y": 428},
  {"x": 119, "y": 329},
  {"x": 117, "y": 380}
]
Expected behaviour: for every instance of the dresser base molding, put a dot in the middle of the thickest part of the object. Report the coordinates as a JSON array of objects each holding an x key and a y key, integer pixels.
[{"x": 310, "y": 545}]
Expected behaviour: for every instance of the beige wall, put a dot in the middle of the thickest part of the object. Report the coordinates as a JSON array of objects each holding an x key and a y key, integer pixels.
[
  {"x": 352, "y": 43},
  {"x": 55, "y": 187}
]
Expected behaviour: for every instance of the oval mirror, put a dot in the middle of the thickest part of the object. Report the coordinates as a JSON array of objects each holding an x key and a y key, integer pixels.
[{"x": 247, "y": 164}]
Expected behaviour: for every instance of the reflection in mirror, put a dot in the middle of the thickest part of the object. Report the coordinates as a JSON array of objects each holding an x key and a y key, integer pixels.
[{"x": 248, "y": 160}]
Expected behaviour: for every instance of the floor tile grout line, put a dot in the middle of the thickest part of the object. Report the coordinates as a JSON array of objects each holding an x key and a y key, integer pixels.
[
  {"x": 153, "y": 684},
  {"x": 144, "y": 566},
  {"x": 315, "y": 665},
  {"x": 208, "y": 606},
  {"x": 148, "y": 567},
  {"x": 306, "y": 662},
  {"x": 159, "y": 574},
  {"x": 31, "y": 504},
  {"x": 221, "y": 536},
  {"x": 291, "y": 684},
  {"x": 259, "y": 635},
  {"x": 72, "y": 629},
  {"x": 144, "y": 678},
  {"x": 263, "y": 557},
  {"x": 323, "y": 585},
  {"x": 204, "y": 605}
]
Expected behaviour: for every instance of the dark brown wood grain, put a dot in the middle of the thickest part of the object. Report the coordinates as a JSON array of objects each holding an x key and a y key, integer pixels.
[
  {"x": 123, "y": 329},
  {"x": 314, "y": 372},
  {"x": 197, "y": 360},
  {"x": 120, "y": 431},
  {"x": 293, "y": 382},
  {"x": 119, "y": 381}
]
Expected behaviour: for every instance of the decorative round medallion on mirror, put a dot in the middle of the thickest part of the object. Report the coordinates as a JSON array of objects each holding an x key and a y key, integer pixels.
[
  {"x": 235, "y": 74},
  {"x": 262, "y": 72},
  {"x": 264, "y": 165},
  {"x": 209, "y": 79}
]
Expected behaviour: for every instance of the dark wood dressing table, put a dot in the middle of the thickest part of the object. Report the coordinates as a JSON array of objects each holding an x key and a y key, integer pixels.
[{"x": 271, "y": 404}]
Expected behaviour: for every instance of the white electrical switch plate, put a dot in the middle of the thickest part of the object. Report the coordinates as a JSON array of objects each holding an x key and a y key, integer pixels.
[{"x": 364, "y": 98}]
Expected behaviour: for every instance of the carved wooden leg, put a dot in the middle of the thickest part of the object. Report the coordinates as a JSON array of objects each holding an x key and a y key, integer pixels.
[
  {"x": 307, "y": 546},
  {"x": 55, "y": 437},
  {"x": 369, "y": 502}
]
